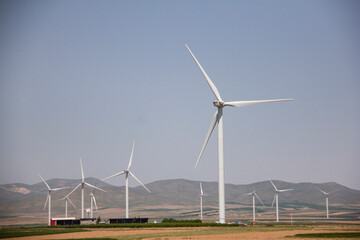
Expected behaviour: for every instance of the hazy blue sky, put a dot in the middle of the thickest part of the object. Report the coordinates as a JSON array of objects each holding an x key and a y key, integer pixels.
[{"x": 86, "y": 78}]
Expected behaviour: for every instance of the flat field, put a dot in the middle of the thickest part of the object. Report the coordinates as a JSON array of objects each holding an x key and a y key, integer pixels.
[{"x": 202, "y": 233}]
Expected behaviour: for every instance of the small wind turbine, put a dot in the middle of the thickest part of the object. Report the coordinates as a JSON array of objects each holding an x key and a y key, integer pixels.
[
  {"x": 276, "y": 197},
  {"x": 82, "y": 184},
  {"x": 217, "y": 119},
  {"x": 127, "y": 172},
  {"x": 93, "y": 202},
  {"x": 326, "y": 200},
  {"x": 66, "y": 205},
  {"x": 201, "y": 202},
  {"x": 253, "y": 194},
  {"x": 48, "y": 197}
]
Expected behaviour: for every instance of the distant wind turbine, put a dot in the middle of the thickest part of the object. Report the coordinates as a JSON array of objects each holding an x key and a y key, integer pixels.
[
  {"x": 66, "y": 205},
  {"x": 217, "y": 119},
  {"x": 326, "y": 200},
  {"x": 48, "y": 197},
  {"x": 276, "y": 197},
  {"x": 82, "y": 184},
  {"x": 127, "y": 172},
  {"x": 253, "y": 194},
  {"x": 92, "y": 203}
]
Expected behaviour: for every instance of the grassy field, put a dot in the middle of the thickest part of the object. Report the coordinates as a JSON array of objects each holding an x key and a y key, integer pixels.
[
  {"x": 34, "y": 231},
  {"x": 329, "y": 235}
]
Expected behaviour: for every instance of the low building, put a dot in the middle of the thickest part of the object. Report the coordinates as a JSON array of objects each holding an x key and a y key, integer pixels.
[
  {"x": 128, "y": 220},
  {"x": 64, "y": 221}
]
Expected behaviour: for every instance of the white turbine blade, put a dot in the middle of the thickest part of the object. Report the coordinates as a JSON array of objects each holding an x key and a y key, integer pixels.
[
  {"x": 211, "y": 129},
  {"x": 285, "y": 190},
  {"x": 211, "y": 84},
  {"x": 322, "y": 191},
  {"x": 71, "y": 202},
  {"x": 57, "y": 189},
  {"x": 259, "y": 199},
  {"x": 273, "y": 201},
  {"x": 90, "y": 185},
  {"x": 82, "y": 170},
  {"x": 333, "y": 191},
  {"x": 95, "y": 202},
  {"x": 273, "y": 184},
  {"x": 247, "y": 194},
  {"x": 47, "y": 199},
  {"x": 44, "y": 182},
  {"x": 131, "y": 156},
  {"x": 139, "y": 181},
  {"x": 116, "y": 174},
  {"x": 73, "y": 190},
  {"x": 201, "y": 190},
  {"x": 248, "y": 103}
]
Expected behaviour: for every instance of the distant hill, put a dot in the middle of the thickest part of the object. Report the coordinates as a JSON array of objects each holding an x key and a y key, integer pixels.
[{"x": 171, "y": 196}]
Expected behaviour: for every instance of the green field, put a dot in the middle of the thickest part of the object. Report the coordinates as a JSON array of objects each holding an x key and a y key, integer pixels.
[{"x": 34, "y": 231}]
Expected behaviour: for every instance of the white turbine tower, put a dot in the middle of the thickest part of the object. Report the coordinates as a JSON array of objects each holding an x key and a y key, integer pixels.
[
  {"x": 92, "y": 204},
  {"x": 326, "y": 200},
  {"x": 201, "y": 202},
  {"x": 253, "y": 194},
  {"x": 82, "y": 184},
  {"x": 127, "y": 172},
  {"x": 276, "y": 197},
  {"x": 66, "y": 205},
  {"x": 217, "y": 119},
  {"x": 48, "y": 197}
]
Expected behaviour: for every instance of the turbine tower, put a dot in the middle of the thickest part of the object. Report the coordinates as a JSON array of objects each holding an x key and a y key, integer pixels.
[
  {"x": 66, "y": 205},
  {"x": 92, "y": 203},
  {"x": 253, "y": 194},
  {"x": 201, "y": 202},
  {"x": 82, "y": 184},
  {"x": 276, "y": 197},
  {"x": 217, "y": 119},
  {"x": 48, "y": 197},
  {"x": 127, "y": 172},
  {"x": 326, "y": 200}
]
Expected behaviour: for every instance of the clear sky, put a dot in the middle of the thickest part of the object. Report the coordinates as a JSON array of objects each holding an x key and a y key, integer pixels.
[{"x": 86, "y": 78}]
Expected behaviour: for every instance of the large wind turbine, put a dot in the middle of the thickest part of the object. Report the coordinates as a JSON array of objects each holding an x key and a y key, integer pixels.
[
  {"x": 82, "y": 184},
  {"x": 201, "y": 202},
  {"x": 48, "y": 197},
  {"x": 326, "y": 200},
  {"x": 217, "y": 119},
  {"x": 127, "y": 172},
  {"x": 253, "y": 194},
  {"x": 276, "y": 197},
  {"x": 66, "y": 205}
]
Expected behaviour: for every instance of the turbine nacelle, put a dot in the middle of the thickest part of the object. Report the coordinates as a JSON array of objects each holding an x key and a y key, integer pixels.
[{"x": 218, "y": 104}]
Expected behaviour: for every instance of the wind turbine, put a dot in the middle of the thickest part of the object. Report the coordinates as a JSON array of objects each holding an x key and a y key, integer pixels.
[
  {"x": 127, "y": 172},
  {"x": 66, "y": 205},
  {"x": 217, "y": 119},
  {"x": 82, "y": 184},
  {"x": 276, "y": 197},
  {"x": 326, "y": 200},
  {"x": 93, "y": 202},
  {"x": 253, "y": 194},
  {"x": 48, "y": 197},
  {"x": 201, "y": 202}
]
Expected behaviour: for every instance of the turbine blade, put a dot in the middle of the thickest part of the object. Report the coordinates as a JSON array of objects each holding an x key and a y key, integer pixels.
[
  {"x": 259, "y": 199},
  {"x": 248, "y": 103},
  {"x": 211, "y": 129},
  {"x": 201, "y": 190},
  {"x": 131, "y": 156},
  {"x": 71, "y": 202},
  {"x": 57, "y": 189},
  {"x": 90, "y": 185},
  {"x": 285, "y": 190},
  {"x": 333, "y": 191},
  {"x": 116, "y": 174},
  {"x": 95, "y": 202},
  {"x": 47, "y": 199},
  {"x": 322, "y": 191},
  {"x": 44, "y": 182},
  {"x": 273, "y": 201},
  {"x": 73, "y": 190},
  {"x": 139, "y": 181},
  {"x": 211, "y": 84},
  {"x": 82, "y": 170},
  {"x": 273, "y": 184},
  {"x": 247, "y": 194}
]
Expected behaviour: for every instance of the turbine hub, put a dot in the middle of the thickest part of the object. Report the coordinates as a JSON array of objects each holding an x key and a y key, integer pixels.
[{"x": 218, "y": 104}]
